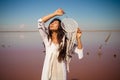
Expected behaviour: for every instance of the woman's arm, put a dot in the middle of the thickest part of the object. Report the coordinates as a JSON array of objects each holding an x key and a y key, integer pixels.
[
  {"x": 41, "y": 25},
  {"x": 79, "y": 49},
  {"x": 58, "y": 12},
  {"x": 78, "y": 38}
]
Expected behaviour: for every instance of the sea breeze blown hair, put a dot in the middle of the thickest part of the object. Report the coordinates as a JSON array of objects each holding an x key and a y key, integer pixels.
[{"x": 60, "y": 34}]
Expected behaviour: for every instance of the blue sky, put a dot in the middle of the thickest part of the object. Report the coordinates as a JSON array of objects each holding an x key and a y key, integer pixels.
[{"x": 90, "y": 14}]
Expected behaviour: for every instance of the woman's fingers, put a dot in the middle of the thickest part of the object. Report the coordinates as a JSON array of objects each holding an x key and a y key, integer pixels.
[
  {"x": 62, "y": 10},
  {"x": 59, "y": 12},
  {"x": 78, "y": 30},
  {"x": 79, "y": 33}
]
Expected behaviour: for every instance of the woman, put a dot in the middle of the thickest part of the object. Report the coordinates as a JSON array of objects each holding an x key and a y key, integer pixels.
[{"x": 55, "y": 41}]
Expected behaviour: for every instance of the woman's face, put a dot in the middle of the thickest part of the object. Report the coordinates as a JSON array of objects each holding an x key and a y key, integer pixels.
[{"x": 54, "y": 25}]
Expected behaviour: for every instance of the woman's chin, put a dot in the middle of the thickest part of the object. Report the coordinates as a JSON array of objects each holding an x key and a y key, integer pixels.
[{"x": 53, "y": 30}]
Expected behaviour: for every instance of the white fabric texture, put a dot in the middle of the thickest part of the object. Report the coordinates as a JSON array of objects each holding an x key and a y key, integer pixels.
[{"x": 52, "y": 69}]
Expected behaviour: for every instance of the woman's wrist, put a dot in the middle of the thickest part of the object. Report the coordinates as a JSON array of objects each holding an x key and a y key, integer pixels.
[
  {"x": 54, "y": 14},
  {"x": 58, "y": 12},
  {"x": 78, "y": 38},
  {"x": 79, "y": 43}
]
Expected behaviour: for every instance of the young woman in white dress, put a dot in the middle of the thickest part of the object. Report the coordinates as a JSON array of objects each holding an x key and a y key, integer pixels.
[{"x": 55, "y": 41}]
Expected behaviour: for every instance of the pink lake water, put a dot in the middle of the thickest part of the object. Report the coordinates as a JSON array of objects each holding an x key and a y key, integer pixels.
[{"x": 22, "y": 56}]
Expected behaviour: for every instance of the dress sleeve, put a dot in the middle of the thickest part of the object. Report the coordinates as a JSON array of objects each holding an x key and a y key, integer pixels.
[
  {"x": 79, "y": 52},
  {"x": 43, "y": 31}
]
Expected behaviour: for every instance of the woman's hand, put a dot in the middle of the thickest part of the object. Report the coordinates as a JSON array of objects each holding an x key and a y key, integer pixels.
[
  {"x": 79, "y": 33},
  {"x": 59, "y": 12},
  {"x": 78, "y": 37}
]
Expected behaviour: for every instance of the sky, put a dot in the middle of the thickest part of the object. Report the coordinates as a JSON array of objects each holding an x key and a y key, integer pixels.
[{"x": 90, "y": 14}]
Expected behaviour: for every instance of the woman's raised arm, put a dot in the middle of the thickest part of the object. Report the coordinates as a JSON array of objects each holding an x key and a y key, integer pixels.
[
  {"x": 78, "y": 38},
  {"x": 58, "y": 12}
]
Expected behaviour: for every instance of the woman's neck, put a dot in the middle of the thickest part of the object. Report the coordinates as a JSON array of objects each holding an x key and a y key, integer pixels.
[{"x": 54, "y": 38}]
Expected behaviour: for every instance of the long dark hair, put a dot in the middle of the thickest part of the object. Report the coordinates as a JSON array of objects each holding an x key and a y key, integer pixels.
[{"x": 60, "y": 34}]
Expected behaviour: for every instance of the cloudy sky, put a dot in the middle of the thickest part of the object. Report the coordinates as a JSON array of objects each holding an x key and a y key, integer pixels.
[{"x": 90, "y": 14}]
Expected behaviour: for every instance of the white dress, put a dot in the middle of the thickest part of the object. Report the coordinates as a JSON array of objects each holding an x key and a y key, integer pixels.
[{"x": 52, "y": 69}]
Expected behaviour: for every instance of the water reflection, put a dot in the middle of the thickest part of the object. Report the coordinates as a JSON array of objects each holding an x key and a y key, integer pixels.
[
  {"x": 107, "y": 38},
  {"x": 88, "y": 53},
  {"x": 100, "y": 54},
  {"x": 74, "y": 79},
  {"x": 100, "y": 51},
  {"x": 114, "y": 55},
  {"x": 22, "y": 54},
  {"x": 3, "y": 45},
  {"x": 21, "y": 36}
]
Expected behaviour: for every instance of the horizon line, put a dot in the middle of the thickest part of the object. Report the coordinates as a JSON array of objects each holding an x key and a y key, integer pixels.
[{"x": 96, "y": 30}]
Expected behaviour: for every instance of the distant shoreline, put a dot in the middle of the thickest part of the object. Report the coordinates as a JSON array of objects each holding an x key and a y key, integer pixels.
[{"x": 82, "y": 31}]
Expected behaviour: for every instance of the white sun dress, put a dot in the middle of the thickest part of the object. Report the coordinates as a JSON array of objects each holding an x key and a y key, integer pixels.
[{"x": 52, "y": 69}]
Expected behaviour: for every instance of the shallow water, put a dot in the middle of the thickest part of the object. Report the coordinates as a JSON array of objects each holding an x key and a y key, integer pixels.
[{"x": 22, "y": 56}]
